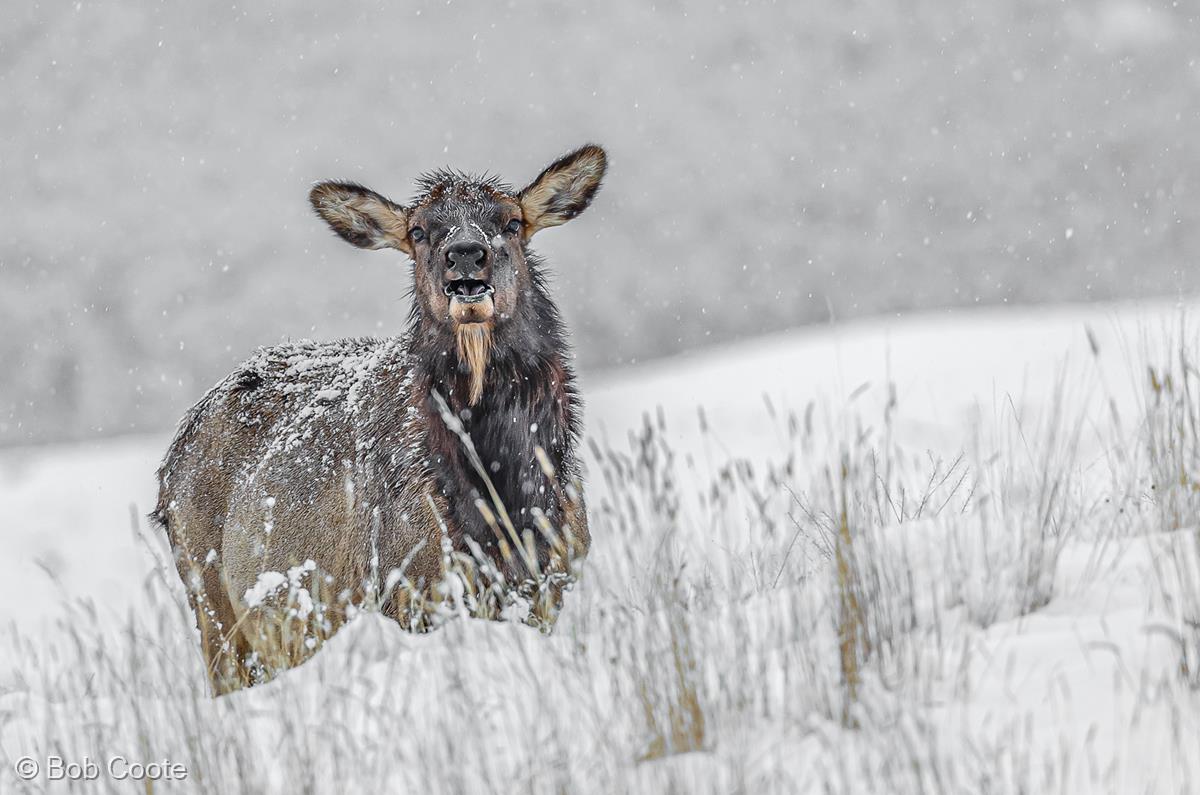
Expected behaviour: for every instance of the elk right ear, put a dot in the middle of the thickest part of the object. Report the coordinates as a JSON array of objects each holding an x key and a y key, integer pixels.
[
  {"x": 361, "y": 216},
  {"x": 564, "y": 189}
]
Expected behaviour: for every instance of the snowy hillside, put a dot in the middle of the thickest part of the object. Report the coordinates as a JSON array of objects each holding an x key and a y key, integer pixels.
[{"x": 951, "y": 553}]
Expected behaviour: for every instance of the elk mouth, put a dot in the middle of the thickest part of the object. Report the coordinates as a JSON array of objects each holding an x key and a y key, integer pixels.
[
  {"x": 467, "y": 291},
  {"x": 470, "y": 300}
]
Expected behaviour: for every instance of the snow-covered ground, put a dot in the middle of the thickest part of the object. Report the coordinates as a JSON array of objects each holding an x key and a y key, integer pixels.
[{"x": 1022, "y": 588}]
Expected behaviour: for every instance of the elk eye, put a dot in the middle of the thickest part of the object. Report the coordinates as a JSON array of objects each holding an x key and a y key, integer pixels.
[
  {"x": 514, "y": 226},
  {"x": 417, "y": 234}
]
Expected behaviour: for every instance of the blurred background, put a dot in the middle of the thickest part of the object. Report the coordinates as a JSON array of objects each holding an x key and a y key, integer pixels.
[{"x": 772, "y": 165}]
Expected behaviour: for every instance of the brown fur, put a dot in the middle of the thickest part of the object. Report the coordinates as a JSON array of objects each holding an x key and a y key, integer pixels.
[{"x": 293, "y": 472}]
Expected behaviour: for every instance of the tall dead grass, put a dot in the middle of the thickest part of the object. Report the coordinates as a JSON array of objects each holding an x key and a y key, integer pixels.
[{"x": 812, "y": 619}]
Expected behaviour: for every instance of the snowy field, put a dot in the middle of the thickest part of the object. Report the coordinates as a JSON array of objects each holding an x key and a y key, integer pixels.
[{"x": 952, "y": 553}]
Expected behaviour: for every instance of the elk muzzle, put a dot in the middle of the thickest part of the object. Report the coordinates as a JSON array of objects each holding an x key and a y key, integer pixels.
[{"x": 467, "y": 282}]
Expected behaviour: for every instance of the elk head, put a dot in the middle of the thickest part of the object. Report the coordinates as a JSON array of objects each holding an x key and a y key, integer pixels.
[{"x": 468, "y": 238}]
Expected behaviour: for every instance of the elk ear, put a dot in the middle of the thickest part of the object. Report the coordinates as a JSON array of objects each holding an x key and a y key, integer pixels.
[
  {"x": 360, "y": 216},
  {"x": 564, "y": 189}
]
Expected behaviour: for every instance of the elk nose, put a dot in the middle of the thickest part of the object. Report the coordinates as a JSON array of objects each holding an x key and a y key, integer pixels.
[{"x": 466, "y": 258}]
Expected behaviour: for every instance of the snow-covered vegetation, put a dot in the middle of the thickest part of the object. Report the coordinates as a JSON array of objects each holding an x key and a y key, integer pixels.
[{"x": 945, "y": 555}]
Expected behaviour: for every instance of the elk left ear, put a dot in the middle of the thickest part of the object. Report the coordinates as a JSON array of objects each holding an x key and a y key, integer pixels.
[
  {"x": 564, "y": 189},
  {"x": 361, "y": 216}
]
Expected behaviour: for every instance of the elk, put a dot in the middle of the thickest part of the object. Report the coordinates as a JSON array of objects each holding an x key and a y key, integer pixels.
[{"x": 351, "y": 460}]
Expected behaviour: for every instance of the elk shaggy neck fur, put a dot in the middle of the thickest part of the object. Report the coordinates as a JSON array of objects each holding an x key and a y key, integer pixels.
[{"x": 530, "y": 401}]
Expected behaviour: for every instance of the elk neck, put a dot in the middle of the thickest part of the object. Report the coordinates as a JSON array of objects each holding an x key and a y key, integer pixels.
[{"x": 528, "y": 401}]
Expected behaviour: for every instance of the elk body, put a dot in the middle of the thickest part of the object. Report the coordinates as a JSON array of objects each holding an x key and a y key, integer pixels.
[{"x": 350, "y": 460}]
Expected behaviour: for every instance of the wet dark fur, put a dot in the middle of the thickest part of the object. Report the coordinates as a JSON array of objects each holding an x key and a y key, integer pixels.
[{"x": 528, "y": 384}]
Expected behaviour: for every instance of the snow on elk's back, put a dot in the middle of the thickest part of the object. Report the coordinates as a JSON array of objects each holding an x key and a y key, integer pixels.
[
  {"x": 294, "y": 393},
  {"x": 309, "y": 452}
]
